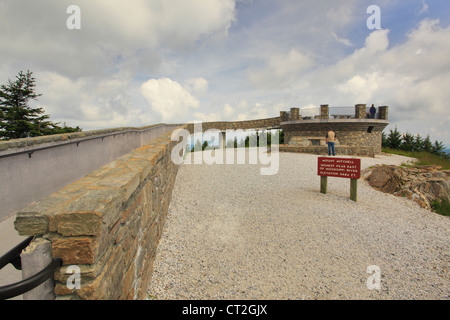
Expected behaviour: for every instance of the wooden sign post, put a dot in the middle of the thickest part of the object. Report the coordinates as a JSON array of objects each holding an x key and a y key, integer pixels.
[{"x": 340, "y": 168}]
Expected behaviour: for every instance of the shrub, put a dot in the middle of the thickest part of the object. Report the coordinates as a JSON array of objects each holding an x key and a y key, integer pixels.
[{"x": 441, "y": 207}]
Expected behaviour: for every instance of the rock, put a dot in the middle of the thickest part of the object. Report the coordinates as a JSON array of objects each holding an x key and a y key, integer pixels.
[
  {"x": 385, "y": 178},
  {"x": 423, "y": 184}
]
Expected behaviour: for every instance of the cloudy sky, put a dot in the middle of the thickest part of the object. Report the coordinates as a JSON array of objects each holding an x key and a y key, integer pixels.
[{"x": 141, "y": 62}]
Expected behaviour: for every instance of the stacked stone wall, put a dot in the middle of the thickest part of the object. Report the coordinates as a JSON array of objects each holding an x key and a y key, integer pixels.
[
  {"x": 235, "y": 125},
  {"x": 357, "y": 138},
  {"x": 108, "y": 223}
]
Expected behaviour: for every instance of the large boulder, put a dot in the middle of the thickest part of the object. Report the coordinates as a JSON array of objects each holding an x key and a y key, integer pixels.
[{"x": 421, "y": 184}]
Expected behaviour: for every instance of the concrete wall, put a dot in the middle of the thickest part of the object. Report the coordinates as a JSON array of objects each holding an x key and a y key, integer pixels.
[
  {"x": 33, "y": 168},
  {"x": 108, "y": 223}
]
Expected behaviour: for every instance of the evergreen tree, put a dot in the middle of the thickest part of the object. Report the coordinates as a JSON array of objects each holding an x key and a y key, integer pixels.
[
  {"x": 281, "y": 136},
  {"x": 384, "y": 140},
  {"x": 427, "y": 145},
  {"x": 394, "y": 139},
  {"x": 407, "y": 142},
  {"x": 418, "y": 143},
  {"x": 198, "y": 146},
  {"x": 269, "y": 138},
  {"x": 438, "y": 149},
  {"x": 17, "y": 118},
  {"x": 247, "y": 142}
]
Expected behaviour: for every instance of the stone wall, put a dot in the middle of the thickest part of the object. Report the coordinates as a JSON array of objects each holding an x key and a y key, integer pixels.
[
  {"x": 234, "y": 125},
  {"x": 108, "y": 223},
  {"x": 356, "y": 136}
]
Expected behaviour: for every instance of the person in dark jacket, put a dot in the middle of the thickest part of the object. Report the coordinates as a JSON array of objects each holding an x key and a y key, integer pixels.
[{"x": 373, "y": 111}]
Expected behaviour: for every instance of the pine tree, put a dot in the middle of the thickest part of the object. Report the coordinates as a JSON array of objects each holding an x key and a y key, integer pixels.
[
  {"x": 384, "y": 140},
  {"x": 438, "y": 148},
  {"x": 394, "y": 139},
  {"x": 17, "y": 118},
  {"x": 427, "y": 145},
  {"x": 418, "y": 143},
  {"x": 281, "y": 137},
  {"x": 408, "y": 142}
]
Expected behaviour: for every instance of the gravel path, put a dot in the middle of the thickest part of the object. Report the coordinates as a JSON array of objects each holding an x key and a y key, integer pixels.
[{"x": 232, "y": 233}]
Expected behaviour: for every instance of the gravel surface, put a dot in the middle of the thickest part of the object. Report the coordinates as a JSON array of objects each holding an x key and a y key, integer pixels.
[{"x": 232, "y": 233}]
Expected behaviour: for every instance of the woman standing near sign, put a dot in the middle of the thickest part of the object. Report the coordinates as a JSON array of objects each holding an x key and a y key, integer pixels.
[{"x": 330, "y": 139}]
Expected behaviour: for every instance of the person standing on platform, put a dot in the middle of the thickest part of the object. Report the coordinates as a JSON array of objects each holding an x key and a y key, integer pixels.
[
  {"x": 330, "y": 139},
  {"x": 373, "y": 111}
]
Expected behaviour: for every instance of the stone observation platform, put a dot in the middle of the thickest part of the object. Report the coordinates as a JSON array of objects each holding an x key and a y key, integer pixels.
[
  {"x": 357, "y": 133},
  {"x": 99, "y": 199}
]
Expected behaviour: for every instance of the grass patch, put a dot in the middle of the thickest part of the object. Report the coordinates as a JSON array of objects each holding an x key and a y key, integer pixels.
[
  {"x": 423, "y": 158},
  {"x": 441, "y": 207}
]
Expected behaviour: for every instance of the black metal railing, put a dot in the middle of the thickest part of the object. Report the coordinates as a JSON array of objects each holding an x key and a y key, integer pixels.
[{"x": 18, "y": 288}]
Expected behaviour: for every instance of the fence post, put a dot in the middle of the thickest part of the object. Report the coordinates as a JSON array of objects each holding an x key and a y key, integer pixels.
[
  {"x": 354, "y": 189},
  {"x": 323, "y": 184},
  {"x": 34, "y": 258}
]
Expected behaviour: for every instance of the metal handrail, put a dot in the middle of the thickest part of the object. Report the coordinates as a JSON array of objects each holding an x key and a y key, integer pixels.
[
  {"x": 18, "y": 288},
  {"x": 13, "y": 255}
]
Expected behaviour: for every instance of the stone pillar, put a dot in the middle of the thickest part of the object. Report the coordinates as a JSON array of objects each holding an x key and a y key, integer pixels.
[
  {"x": 324, "y": 111},
  {"x": 35, "y": 258},
  {"x": 383, "y": 112},
  {"x": 295, "y": 114},
  {"x": 360, "y": 111}
]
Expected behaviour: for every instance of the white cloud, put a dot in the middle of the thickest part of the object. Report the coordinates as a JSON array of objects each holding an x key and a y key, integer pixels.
[
  {"x": 87, "y": 102},
  {"x": 257, "y": 111},
  {"x": 280, "y": 70},
  {"x": 412, "y": 78},
  {"x": 425, "y": 7},
  {"x": 169, "y": 99},
  {"x": 197, "y": 85},
  {"x": 276, "y": 56},
  {"x": 90, "y": 75},
  {"x": 347, "y": 42}
]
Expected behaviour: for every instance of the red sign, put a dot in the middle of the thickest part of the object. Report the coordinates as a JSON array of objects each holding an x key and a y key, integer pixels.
[{"x": 339, "y": 167}]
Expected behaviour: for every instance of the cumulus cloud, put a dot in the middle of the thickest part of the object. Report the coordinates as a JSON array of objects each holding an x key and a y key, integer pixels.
[
  {"x": 280, "y": 69},
  {"x": 197, "y": 85},
  {"x": 243, "y": 110},
  {"x": 411, "y": 77},
  {"x": 94, "y": 69},
  {"x": 169, "y": 99},
  {"x": 225, "y": 59},
  {"x": 87, "y": 102}
]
